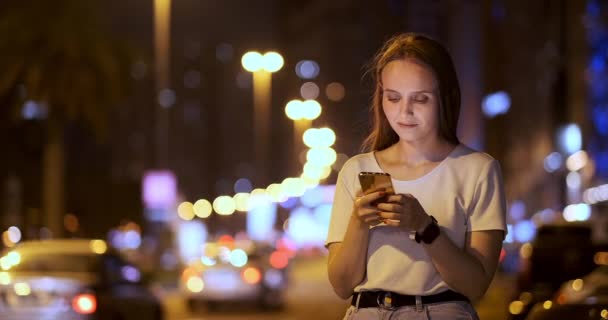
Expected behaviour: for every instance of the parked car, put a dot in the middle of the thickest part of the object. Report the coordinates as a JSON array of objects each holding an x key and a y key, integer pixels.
[
  {"x": 237, "y": 271},
  {"x": 72, "y": 279},
  {"x": 558, "y": 253},
  {"x": 582, "y": 298}
]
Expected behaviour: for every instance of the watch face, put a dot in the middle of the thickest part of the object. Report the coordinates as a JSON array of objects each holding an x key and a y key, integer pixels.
[{"x": 431, "y": 232}]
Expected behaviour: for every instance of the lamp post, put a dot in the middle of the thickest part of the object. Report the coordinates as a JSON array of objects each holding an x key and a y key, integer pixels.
[
  {"x": 262, "y": 67},
  {"x": 162, "y": 23}
]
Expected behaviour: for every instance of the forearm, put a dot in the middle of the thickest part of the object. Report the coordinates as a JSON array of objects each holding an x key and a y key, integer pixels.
[
  {"x": 347, "y": 267},
  {"x": 457, "y": 267}
]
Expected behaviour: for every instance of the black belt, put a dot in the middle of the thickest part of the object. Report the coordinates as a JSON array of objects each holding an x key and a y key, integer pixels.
[{"x": 386, "y": 299}]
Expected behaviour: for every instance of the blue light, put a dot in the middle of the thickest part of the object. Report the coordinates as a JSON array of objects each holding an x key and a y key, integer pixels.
[
  {"x": 600, "y": 120},
  {"x": 289, "y": 203},
  {"x": 524, "y": 231},
  {"x": 242, "y": 185},
  {"x": 307, "y": 69},
  {"x": 553, "y": 161},
  {"x": 496, "y": 103},
  {"x": 598, "y": 63},
  {"x": 312, "y": 197},
  {"x": 517, "y": 210},
  {"x": 570, "y": 139}
]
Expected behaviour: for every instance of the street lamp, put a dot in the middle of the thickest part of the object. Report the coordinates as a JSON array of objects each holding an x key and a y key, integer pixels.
[
  {"x": 262, "y": 67},
  {"x": 302, "y": 113}
]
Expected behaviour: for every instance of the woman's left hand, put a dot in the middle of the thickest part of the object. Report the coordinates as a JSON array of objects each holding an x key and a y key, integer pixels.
[{"x": 404, "y": 211}]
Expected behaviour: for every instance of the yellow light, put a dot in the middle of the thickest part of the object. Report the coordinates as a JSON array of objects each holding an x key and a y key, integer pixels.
[
  {"x": 321, "y": 156},
  {"x": 294, "y": 109},
  {"x": 525, "y": 251},
  {"x": 548, "y": 304},
  {"x": 577, "y": 285},
  {"x": 5, "y": 278},
  {"x": 195, "y": 284},
  {"x": 6, "y": 238},
  {"x": 604, "y": 314},
  {"x": 202, "y": 208},
  {"x": 98, "y": 246},
  {"x": 252, "y": 61},
  {"x": 516, "y": 307},
  {"x": 241, "y": 201},
  {"x": 293, "y": 187},
  {"x": 577, "y": 160},
  {"x": 275, "y": 191},
  {"x": 4, "y": 263},
  {"x": 22, "y": 289},
  {"x": 309, "y": 182},
  {"x": 315, "y": 172},
  {"x": 272, "y": 61},
  {"x": 601, "y": 258},
  {"x": 258, "y": 192},
  {"x": 185, "y": 210},
  {"x": 311, "y": 109},
  {"x": 224, "y": 205}
]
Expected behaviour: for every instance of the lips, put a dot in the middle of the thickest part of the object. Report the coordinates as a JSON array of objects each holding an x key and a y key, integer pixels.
[{"x": 407, "y": 125}]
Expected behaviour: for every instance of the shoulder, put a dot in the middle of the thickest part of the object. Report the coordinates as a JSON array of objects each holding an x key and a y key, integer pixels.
[
  {"x": 360, "y": 162},
  {"x": 467, "y": 157}
]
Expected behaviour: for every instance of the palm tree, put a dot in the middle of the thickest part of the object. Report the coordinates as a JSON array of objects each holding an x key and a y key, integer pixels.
[{"x": 55, "y": 54}]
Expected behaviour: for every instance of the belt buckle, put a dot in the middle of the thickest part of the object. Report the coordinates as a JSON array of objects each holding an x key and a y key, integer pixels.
[{"x": 385, "y": 301}]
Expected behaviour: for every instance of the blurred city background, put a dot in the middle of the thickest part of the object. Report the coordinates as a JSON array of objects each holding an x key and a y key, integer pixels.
[{"x": 188, "y": 150}]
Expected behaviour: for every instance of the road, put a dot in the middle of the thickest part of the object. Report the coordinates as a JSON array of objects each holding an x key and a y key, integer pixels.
[{"x": 311, "y": 297}]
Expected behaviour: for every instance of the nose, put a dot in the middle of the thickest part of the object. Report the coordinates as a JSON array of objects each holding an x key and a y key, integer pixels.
[{"x": 407, "y": 107}]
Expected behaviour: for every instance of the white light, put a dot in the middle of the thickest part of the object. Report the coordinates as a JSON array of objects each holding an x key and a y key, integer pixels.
[
  {"x": 577, "y": 212},
  {"x": 252, "y": 61},
  {"x": 517, "y": 210},
  {"x": 238, "y": 258},
  {"x": 191, "y": 235},
  {"x": 14, "y": 234},
  {"x": 570, "y": 139},
  {"x": 496, "y": 103},
  {"x": 553, "y": 161},
  {"x": 272, "y": 61},
  {"x": 573, "y": 180}
]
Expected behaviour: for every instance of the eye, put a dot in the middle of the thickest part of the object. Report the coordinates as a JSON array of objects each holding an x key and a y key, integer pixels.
[
  {"x": 421, "y": 98},
  {"x": 393, "y": 99}
]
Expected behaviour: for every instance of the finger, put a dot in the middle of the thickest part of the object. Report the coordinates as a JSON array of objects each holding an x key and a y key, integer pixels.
[
  {"x": 395, "y": 198},
  {"x": 392, "y": 222},
  {"x": 372, "y": 219},
  {"x": 373, "y": 190},
  {"x": 392, "y": 207},
  {"x": 389, "y": 215},
  {"x": 359, "y": 193},
  {"x": 368, "y": 198},
  {"x": 364, "y": 212}
]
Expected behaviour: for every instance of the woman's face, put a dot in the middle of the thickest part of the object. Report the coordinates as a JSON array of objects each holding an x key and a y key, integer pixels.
[{"x": 410, "y": 100}]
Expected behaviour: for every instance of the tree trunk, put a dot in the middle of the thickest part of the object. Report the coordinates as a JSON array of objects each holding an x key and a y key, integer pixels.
[{"x": 53, "y": 181}]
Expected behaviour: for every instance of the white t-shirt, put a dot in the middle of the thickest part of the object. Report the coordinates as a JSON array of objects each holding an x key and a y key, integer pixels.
[{"x": 464, "y": 193}]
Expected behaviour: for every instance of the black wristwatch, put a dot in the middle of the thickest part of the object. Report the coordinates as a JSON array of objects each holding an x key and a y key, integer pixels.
[{"x": 430, "y": 233}]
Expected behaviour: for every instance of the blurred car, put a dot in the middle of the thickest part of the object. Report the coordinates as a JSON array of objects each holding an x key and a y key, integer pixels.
[
  {"x": 231, "y": 271},
  {"x": 583, "y": 298},
  {"x": 558, "y": 253},
  {"x": 72, "y": 279}
]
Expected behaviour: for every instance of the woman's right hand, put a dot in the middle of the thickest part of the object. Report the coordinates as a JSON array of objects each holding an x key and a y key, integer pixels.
[{"x": 363, "y": 208}]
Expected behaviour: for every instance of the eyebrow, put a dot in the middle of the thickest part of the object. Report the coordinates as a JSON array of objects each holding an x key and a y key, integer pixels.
[{"x": 419, "y": 91}]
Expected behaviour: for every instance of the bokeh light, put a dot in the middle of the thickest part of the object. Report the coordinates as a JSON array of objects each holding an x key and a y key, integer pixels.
[
  {"x": 202, "y": 208},
  {"x": 309, "y": 90},
  {"x": 224, "y": 205},
  {"x": 335, "y": 91}
]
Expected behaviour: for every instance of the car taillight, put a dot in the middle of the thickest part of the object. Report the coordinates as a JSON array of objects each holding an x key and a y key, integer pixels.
[
  {"x": 84, "y": 303},
  {"x": 251, "y": 275}
]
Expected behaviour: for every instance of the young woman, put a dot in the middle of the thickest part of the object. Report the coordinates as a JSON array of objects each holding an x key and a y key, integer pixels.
[{"x": 432, "y": 247}]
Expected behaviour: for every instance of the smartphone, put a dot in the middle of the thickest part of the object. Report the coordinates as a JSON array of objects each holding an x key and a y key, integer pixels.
[{"x": 374, "y": 181}]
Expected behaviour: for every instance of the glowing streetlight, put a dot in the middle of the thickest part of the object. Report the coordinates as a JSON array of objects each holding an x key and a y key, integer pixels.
[
  {"x": 262, "y": 66},
  {"x": 302, "y": 113}
]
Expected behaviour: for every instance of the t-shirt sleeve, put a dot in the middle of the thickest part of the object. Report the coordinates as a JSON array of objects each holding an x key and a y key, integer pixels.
[
  {"x": 342, "y": 207},
  {"x": 488, "y": 208}
]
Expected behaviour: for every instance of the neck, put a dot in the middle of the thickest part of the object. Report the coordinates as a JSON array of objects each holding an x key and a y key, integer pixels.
[{"x": 420, "y": 152}]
